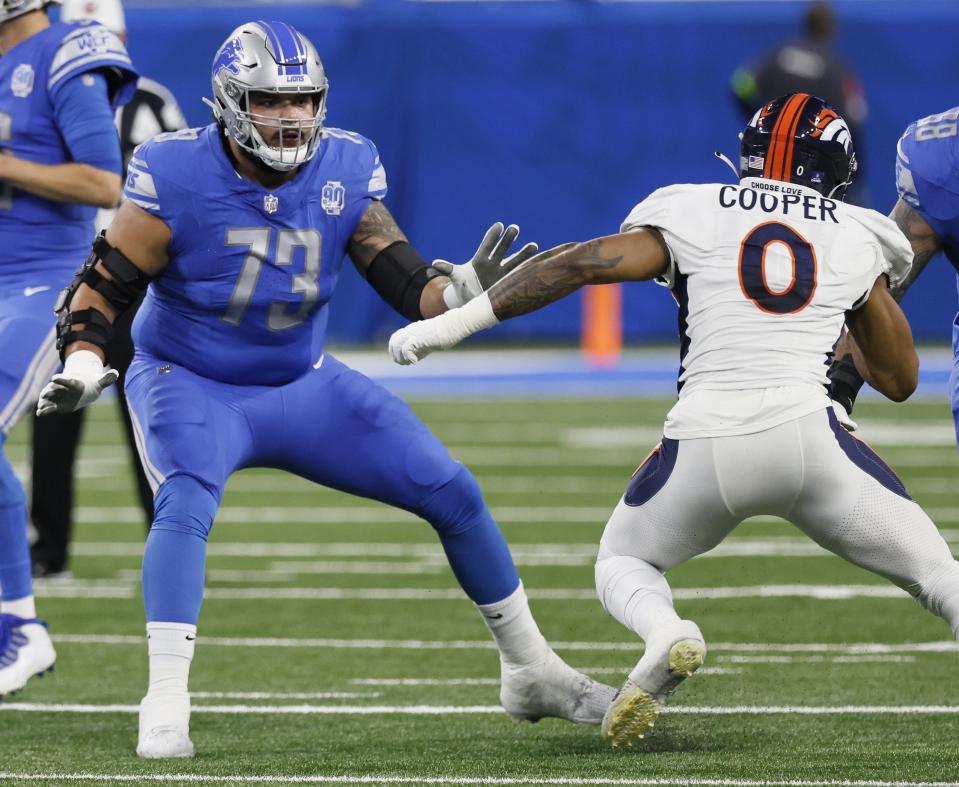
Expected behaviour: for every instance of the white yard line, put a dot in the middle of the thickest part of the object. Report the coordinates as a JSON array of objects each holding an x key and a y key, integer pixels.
[
  {"x": 337, "y": 515},
  {"x": 455, "y": 781},
  {"x": 889, "y": 434},
  {"x": 471, "y": 710},
  {"x": 859, "y": 648},
  {"x": 879, "y": 658},
  {"x": 352, "y": 514},
  {"x": 267, "y": 695},
  {"x": 429, "y": 555},
  {"x": 80, "y": 590},
  {"x": 425, "y": 681},
  {"x": 553, "y": 484},
  {"x": 395, "y": 682}
]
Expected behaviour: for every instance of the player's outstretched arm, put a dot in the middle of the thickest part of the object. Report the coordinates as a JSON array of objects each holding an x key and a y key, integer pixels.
[
  {"x": 417, "y": 290},
  {"x": 884, "y": 338},
  {"x": 133, "y": 252},
  {"x": 629, "y": 256},
  {"x": 632, "y": 256},
  {"x": 847, "y": 374}
]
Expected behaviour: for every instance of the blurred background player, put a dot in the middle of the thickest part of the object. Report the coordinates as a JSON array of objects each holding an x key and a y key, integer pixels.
[
  {"x": 151, "y": 111},
  {"x": 59, "y": 86},
  {"x": 927, "y": 179},
  {"x": 229, "y": 370},
  {"x": 809, "y": 65},
  {"x": 765, "y": 276}
]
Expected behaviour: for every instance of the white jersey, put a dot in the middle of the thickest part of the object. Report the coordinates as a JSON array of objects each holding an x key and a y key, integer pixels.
[{"x": 764, "y": 273}]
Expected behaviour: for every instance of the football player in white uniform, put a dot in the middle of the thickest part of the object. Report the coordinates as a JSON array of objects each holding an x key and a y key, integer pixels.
[{"x": 765, "y": 273}]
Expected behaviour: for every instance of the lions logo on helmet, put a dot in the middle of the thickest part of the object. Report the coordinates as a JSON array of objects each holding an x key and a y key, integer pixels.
[
  {"x": 11, "y": 9},
  {"x": 800, "y": 139},
  {"x": 268, "y": 57}
]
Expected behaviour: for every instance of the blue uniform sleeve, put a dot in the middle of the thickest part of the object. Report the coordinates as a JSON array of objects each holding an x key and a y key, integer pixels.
[
  {"x": 376, "y": 188},
  {"x": 364, "y": 164},
  {"x": 147, "y": 187},
  {"x": 91, "y": 47},
  {"x": 85, "y": 120},
  {"x": 927, "y": 163}
]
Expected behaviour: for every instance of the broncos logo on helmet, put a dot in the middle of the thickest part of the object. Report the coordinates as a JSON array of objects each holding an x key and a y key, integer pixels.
[{"x": 799, "y": 138}]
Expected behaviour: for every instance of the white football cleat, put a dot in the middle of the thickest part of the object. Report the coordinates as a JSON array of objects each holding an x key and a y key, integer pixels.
[
  {"x": 25, "y": 651},
  {"x": 672, "y": 655},
  {"x": 165, "y": 727},
  {"x": 552, "y": 688}
]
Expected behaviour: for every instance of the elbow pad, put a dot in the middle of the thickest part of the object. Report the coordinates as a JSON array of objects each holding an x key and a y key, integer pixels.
[
  {"x": 126, "y": 285},
  {"x": 399, "y": 274}
]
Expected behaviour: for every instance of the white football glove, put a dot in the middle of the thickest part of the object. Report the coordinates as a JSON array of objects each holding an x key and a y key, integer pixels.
[
  {"x": 843, "y": 417},
  {"x": 486, "y": 267},
  {"x": 81, "y": 382},
  {"x": 418, "y": 339}
]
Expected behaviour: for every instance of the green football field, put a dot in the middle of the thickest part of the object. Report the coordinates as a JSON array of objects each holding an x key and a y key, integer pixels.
[{"x": 336, "y": 648}]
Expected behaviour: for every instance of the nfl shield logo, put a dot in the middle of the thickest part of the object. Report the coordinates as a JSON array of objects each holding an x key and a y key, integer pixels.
[
  {"x": 333, "y": 197},
  {"x": 21, "y": 83},
  {"x": 271, "y": 203}
]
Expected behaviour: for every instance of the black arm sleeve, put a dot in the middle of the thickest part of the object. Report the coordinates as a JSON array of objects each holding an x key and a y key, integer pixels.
[
  {"x": 399, "y": 275},
  {"x": 844, "y": 382}
]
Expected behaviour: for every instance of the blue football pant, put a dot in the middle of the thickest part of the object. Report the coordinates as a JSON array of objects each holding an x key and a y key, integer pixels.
[
  {"x": 29, "y": 359},
  {"x": 333, "y": 426}
]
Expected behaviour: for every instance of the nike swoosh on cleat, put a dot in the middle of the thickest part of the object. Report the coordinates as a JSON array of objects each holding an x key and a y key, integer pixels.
[
  {"x": 189, "y": 638},
  {"x": 28, "y": 291}
]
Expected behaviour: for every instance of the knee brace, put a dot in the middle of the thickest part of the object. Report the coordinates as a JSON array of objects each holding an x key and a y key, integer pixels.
[{"x": 185, "y": 505}]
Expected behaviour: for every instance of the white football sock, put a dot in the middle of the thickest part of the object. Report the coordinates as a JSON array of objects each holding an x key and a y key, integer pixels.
[
  {"x": 171, "y": 647},
  {"x": 515, "y": 632},
  {"x": 635, "y": 593},
  {"x": 22, "y": 607},
  {"x": 940, "y": 594}
]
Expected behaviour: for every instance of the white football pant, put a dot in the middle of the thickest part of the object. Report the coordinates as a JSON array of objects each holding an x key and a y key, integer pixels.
[{"x": 809, "y": 471}]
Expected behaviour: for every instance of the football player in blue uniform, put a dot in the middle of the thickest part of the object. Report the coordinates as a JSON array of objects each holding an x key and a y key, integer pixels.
[
  {"x": 927, "y": 179},
  {"x": 240, "y": 229},
  {"x": 59, "y": 87}
]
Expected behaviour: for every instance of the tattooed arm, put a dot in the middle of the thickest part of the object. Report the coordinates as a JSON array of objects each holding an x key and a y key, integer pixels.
[
  {"x": 547, "y": 277},
  {"x": 554, "y": 274},
  {"x": 850, "y": 369},
  {"x": 925, "y": 244},
  {"x": 376, "y": 231},
  {"x": 416, "y": 289}
]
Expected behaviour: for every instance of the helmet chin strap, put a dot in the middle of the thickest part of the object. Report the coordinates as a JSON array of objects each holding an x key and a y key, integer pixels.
[
  {"x": 837, "y": 186},
  {"x": 725, "y": 159}
]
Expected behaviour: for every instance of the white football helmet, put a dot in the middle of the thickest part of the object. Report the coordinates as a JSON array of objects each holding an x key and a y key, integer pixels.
[
  {"x": 268, "y": 57},
  {"x": 11, "y": 9}
]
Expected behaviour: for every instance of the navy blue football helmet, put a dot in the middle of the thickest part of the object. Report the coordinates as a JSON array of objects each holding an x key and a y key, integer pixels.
[{"x": 799, "y": 138}]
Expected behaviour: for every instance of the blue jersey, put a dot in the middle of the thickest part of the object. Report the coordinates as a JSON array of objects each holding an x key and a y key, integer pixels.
[
  {"x": 38, "y": 233},
  {"x": 927, "y": 176},
  {"x": 251, "y": 270}
]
